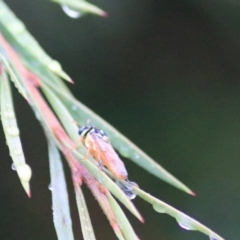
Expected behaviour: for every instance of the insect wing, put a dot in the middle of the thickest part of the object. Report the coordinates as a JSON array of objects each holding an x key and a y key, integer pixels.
[
  {"x": 110, "y": 158},
  {"x": 100, "y": 143}
]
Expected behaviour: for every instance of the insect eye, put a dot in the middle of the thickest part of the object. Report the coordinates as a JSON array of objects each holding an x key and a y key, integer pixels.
[
  {"x": 80, "y": 131},
  {"x": 84, "y": 130}
]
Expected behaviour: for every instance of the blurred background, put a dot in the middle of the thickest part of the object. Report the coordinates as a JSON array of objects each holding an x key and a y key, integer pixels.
[{"x": 166, "y": 74}]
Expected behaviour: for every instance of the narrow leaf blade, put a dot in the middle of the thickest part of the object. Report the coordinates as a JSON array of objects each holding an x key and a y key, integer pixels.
[
  {"x": 14, "y": 78},
  {"x": 126, "y": 227},
  {"x": 183, "y": 220},
  {"x": 11, "y": 132},
  {"x": 20, "y": 34},
  {"x": 60, "y": 204},
  {"x": 87, "y": 229}
]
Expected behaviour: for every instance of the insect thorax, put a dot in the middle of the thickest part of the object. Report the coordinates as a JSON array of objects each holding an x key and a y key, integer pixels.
[{"x": 85, "y": 130}]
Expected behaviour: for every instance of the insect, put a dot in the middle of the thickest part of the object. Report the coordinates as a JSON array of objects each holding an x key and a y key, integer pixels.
[{"x": 99, "y": 146}]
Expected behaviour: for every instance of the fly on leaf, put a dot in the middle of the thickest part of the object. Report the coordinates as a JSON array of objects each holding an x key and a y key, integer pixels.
[{"x": 99, "y": 146}]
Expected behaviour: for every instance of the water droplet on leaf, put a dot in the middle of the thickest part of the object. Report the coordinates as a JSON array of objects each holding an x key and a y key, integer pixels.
[
  {"x": 24, "y": 172},
  {"x": 213, "y": 238},
  {"x": 13, "y": 167},
  {"x": 184, "y": 226},
  {"x": 50, "y": 187},
  {"x": 17, "y": 27},
  {"x": 17, "y": 151},
  {"x": 67, "y": 222},
  {"x": 159, "y": 208},
  {"x": 13, "y": 131},
  {"x": 124, "y": 148},
  {"x": 126, "y": 187},
  {"x": 71, "y": 12},
  {"x": 74, "y": 107},
  {"x": 38, "y": 116},
  {"x": 8, "y": 114},
  {"x": 136, "y": 156}
]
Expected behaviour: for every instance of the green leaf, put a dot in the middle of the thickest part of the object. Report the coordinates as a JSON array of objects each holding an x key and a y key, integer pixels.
[
  {"x": 71, "y": 128},
  {"x": 11, "y": 132},
  {"x": 79, "y": 111},
  {"x": 82, "y": 6},
  {"x": 126, "y": 227},
  {"x": 14, "y": 78},
  {"x": 183, "y": 220},
  {"x": 18, "y": 31},
  {"x": 60, "y": 204},
  {"x": 108, "y": 183},
  {"x": 87, "y": 229},
  {"x": 129, "y": 150}
]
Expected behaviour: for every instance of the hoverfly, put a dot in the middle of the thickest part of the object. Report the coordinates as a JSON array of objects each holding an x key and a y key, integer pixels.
[{"x": 99, "y": 146}]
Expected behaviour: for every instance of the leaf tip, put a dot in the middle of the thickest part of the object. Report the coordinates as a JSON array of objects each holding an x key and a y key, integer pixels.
[
  {"x": 142, "y": 219},
  {"x": 71, "y": 81},
  {"x": 104, "y": 14},
  {"x": 192, "y": 193},
  {"x": 29, "y": 194},
  {"x": 26, "y": 187}
]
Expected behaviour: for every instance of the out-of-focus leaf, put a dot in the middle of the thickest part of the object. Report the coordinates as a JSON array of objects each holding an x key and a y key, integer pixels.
[
  {"x": 126, "y": 227},
  {"x": 70, "y": 127},
  {"x": 11, "y": 131},
  {"x": 183, "y": 220},
  {"x": 87, "y": 229},
  {"x": 82, "y": 6},
  {"x": 12, "y": 74},
  {"x": 19, "y": 32},
  {"x": 60, "y": 204}
]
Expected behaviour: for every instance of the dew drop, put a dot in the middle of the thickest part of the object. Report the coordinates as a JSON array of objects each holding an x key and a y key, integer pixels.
[
  {"x": 55, "y": 66},
  {"x": 66, "y": 222},
  {"x": 82, "y": 209},
  {"x": 13, "y": 167},
  {"x": 70, "y": 12},
  {"x": 159, "y": 208},
  {"x": 50, "y": 187},
  {"x": 136, "y": 156},
  {"x": 213, "y": 238},
  {"x": 132, "y": 196},
  {"x": 24, "y": 172},
  {"x": 124, "y": 148},
  {"x": 16, "y": 26},
  {"x": 13, "y": 131},
  {"x": 8, "y": 114},
  {"x": 184, "y": 226},
  {"x": 17, "y": 151},
  {"x": 74, "y": 107},
  {"x": 38, "y": 116},
  {"x": 126, "y": 187}
]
